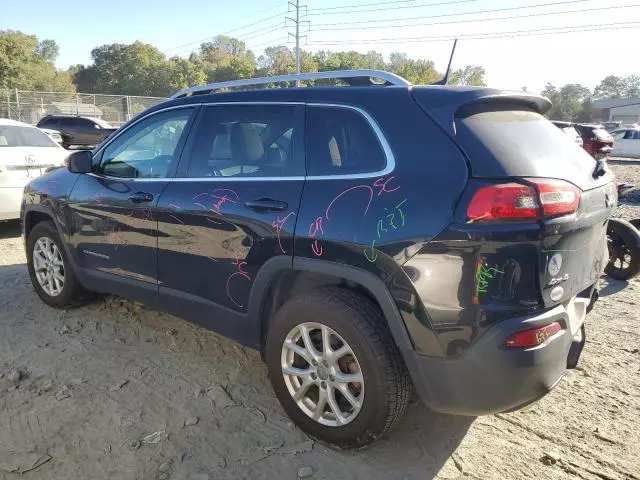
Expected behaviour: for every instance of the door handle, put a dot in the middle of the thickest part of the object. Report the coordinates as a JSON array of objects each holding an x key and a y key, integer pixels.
[
  {"x": 141, "y": 197},
  {"x": 266, "y": 205}
]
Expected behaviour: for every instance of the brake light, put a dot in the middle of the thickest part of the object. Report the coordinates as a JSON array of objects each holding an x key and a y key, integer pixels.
[
  {"x": 533, "y": 337},
  {"x": 507, "y": 201},
  {"x": 557, "y": 197},
  {"x": 513, "y": 201}
]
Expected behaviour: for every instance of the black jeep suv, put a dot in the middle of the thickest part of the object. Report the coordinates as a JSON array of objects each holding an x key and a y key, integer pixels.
[
  {"x": 75, "y": 130},
  {"x": 367, "y": 239}
]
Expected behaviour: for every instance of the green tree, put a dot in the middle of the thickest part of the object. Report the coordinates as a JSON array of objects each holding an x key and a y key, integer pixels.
[
  {"x": 471, "y": 75},
  {"x": 610, "y": 87},
  {"x": 135, "y": 69},
  {"x": 27, "y": 64},
  {"x": 226, "y": 58},
  {"x": 571, "y": 103},
  {"x": 418, "y": 72}
]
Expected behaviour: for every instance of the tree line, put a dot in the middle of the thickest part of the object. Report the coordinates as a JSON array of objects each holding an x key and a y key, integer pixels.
[
  {"x": 572, "y": 102},
  {"x": 27, "y": 63}
]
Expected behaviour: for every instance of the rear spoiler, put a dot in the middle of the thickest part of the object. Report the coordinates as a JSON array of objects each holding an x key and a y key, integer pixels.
[
  {"x": 533, "y": 102},
  {"x": 443, "y": 105}
]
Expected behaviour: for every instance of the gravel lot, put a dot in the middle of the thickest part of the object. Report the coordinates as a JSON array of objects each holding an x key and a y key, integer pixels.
[{"x": 115, "y": 390}]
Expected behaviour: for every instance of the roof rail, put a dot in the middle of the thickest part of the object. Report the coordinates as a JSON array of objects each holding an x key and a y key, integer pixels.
[{"x": 352, "y": 77}]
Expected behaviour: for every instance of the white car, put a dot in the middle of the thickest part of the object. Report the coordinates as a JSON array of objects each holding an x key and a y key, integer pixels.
[
  {"x": 25, "y": 153},
  {"x": 626, "y": 142}
]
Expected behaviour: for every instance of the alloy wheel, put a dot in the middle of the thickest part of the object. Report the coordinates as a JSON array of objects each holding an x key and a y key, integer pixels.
[
  {"x": 48, "y": 266},
  {"x": 322, "y": 374}
]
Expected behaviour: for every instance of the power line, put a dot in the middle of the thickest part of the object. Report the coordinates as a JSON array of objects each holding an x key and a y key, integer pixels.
[
  {"x": 448, "y": 2},
  {"x": 256, "y": 33},
  {"x": 279, "y": 27},
  {"x": 542, "y": 14},
  {"x": 363, "y": 5},
  {"x": 273, "y": 43},
  {"x": 482, "y": 36},
  {"x": 443, "y": 15},
  {"x": 225, "y": 33}
]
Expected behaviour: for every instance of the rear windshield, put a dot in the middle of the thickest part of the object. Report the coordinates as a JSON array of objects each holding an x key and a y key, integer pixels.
[
  {"x": 602, "y": 135},
  {"x": 14, "y": 136},
  {"x": 516, "y": 142}
]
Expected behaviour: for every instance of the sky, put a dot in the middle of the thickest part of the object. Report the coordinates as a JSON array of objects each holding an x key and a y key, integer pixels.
[{"x": 420, "y": 28}]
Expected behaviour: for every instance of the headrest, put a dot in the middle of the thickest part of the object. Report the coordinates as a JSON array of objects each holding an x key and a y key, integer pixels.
[{"x": 246, "y": 144}]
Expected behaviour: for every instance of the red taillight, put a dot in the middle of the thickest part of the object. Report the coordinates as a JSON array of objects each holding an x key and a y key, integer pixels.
[
  {"x": 507, "y": 201},
  {"x": 557, "y": 197},
  {"x": 512, "y": 201},
  {"x": 588, "y": 146},
  {"x": 533, "y": 337}
]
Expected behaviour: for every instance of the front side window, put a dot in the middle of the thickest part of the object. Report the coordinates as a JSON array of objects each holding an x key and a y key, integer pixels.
[
  {"x": 246, "y": 141},
  {"x": 148, "y": 148},
  {"x": 341, "y": 141}
]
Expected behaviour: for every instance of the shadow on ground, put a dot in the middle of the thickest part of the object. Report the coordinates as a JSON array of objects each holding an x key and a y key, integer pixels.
[
  {"x": 10, "y": 229},
  {"x": 612, "y": 286}
]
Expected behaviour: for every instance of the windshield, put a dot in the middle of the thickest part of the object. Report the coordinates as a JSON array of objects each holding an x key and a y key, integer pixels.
[
  {"x": 15, "y": 136},
  {"x": 101, "y": 122}
]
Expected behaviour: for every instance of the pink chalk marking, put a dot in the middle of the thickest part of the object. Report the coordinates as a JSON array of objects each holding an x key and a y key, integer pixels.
[
  {"x": 367, "y": 187},
  {"x": 381, "y": 183}
]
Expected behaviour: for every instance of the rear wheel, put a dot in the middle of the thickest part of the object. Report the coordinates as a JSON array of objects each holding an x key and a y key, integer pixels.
[
  {"x": 50, "y": 270},
  {"x": 623, "y": 241},
  {"x": 335, "y": 367}
]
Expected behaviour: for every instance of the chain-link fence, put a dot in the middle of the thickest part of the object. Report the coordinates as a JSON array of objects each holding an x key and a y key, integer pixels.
[{"x": 29, "y": 106}]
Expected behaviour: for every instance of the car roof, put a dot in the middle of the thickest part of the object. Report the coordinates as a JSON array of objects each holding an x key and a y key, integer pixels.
[
  {"x": 451, "y": 97},
  {"x": 15, "y": 123}
]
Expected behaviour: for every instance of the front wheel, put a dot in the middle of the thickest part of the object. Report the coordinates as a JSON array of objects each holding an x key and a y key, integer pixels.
[
  {"x": 50, "y": 270},
  {"x": 623, "y": 241},
  {"x": 335, "y": 368}
]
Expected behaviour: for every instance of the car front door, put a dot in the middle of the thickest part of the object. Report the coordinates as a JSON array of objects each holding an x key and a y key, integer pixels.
[
  {"x": 634, "y": 145},
  {"x": 86, "y": 131},
  {"x": 112, "y": 211},
  {"x": 68, "y": 127},
  {"x": 232, "y": 211},
  {"x": 621, "y": 142}
]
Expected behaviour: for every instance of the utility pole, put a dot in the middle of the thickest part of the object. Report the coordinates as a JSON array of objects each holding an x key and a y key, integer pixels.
[{"x": 296, "y": 4}]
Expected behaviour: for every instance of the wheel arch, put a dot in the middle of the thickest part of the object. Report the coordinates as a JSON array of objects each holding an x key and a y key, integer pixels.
[
  {"x": 34, "y": 216},
  {"x": 276, "y": 283}
]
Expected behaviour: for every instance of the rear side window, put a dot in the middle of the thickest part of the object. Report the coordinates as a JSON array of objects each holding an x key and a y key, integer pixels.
[
  {"x": 67, "y": 122},
  {"x": 84, "y": 123},
  {"x": 247, "y": 141},
  {"x": 340, "y": 141}
]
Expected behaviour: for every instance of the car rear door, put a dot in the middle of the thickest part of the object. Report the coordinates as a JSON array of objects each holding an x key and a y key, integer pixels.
[
  {"x": 112, "y": 212},
  {"x": 231, "y": 212}
]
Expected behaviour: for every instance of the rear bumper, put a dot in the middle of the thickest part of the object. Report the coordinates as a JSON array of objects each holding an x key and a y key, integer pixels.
[
  {"x": 10, "y": 200},
  {"x": 490, "y": 378}
]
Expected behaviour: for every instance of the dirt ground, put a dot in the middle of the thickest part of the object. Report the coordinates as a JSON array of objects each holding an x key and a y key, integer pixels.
[{"x": 115, "y": 390}]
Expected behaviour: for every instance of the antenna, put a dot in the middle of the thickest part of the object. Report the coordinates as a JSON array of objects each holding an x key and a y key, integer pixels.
[{"x": 444, "y": 79}]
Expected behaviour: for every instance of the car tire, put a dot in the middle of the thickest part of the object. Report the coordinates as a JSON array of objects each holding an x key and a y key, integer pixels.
[
  {"x": 361, "y": 347},
  {"x": 623, "y": 240},
  {"x": 58, "y": 285}
]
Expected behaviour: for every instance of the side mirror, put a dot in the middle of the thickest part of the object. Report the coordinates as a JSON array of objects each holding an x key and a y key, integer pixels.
[{"x": 80, "y": 162}]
